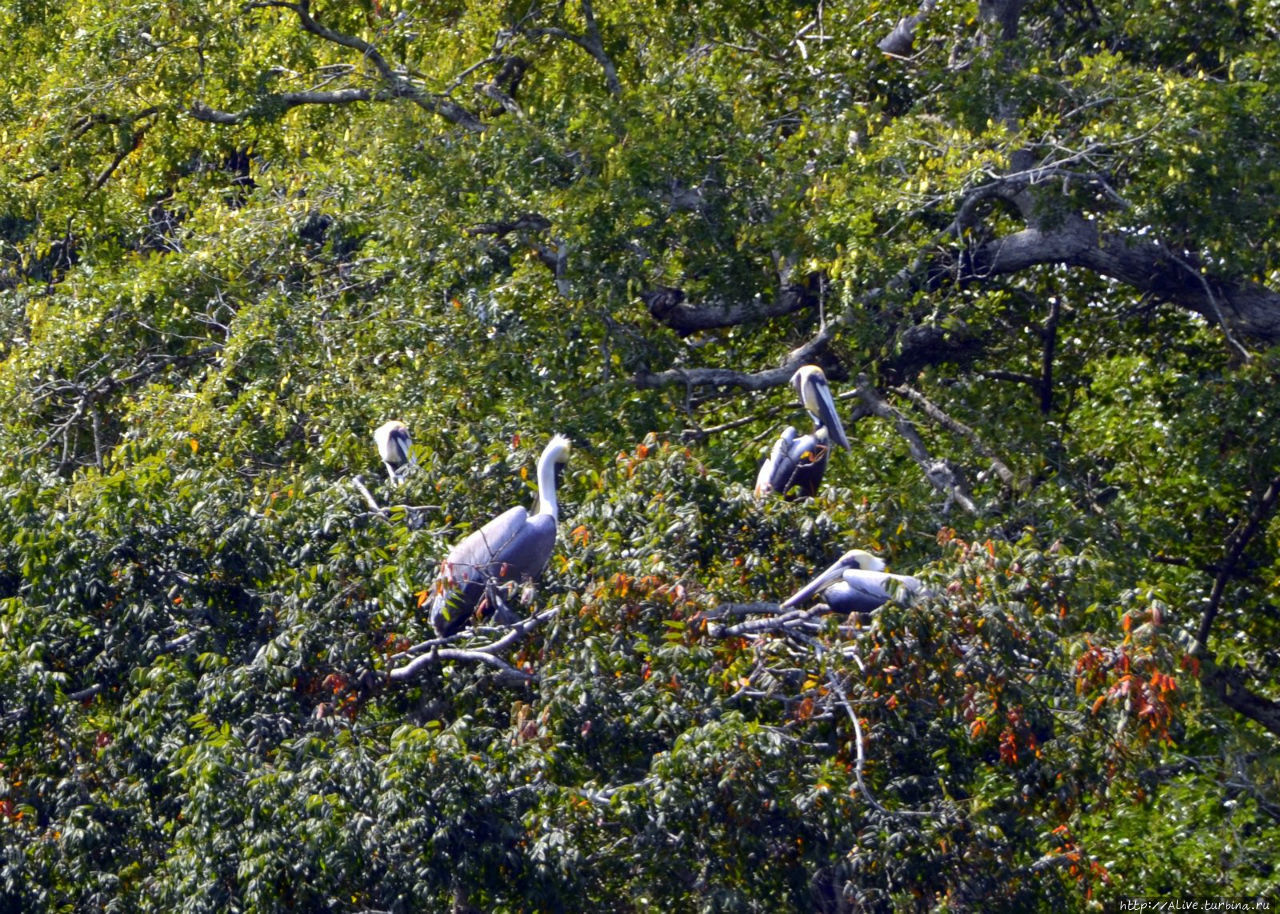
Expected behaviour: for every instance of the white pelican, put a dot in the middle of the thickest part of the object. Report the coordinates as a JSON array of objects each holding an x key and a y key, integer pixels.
[
  {"x": 799, "y": 462},
  {"x": 856, "y": 582},
  {"x": 392, "y": 439},
  {"x": 514, "y": 545}
]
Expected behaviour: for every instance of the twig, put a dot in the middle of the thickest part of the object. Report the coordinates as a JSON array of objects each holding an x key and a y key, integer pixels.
[
  {"x": 431, "y": 652},
  {"x": 1213, "y": 306},
  {"x": 1050, "y": 334}
]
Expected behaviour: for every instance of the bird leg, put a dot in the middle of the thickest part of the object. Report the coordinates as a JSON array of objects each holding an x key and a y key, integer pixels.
[{"x": 497, "y": 607}]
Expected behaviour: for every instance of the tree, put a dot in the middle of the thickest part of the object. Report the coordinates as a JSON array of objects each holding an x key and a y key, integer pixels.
[{"x": 1031, "y": 244}]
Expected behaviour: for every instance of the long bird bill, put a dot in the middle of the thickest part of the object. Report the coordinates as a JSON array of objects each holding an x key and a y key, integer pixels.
[
  {"x": 811, "y": 385},
  {"x": 854, "y": 558}
]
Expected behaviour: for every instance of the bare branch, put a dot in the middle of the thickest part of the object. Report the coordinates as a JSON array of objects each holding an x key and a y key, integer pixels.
[
  {"x": 278, "y": 103},
  {"x": 670, "y": 307},
  {"x": 413, "y": 668},
  {"x": 1236, "y": 544},
  {"x": 857, "y": 736},
  {"x": 780, "y": 623},
  {"x": 525, "y": 222},
  {"x": 1148, "y": 266},
  {"x": 723, "y": 377},
  {"x": 434, "y": 651},
  {"x": 1050, "y": 335},
  {"x": 940, "y": 475},
  {"x": 935, "y": 413},
  {"x": 372, "y": 502},
  {"x": 1228, "y": 686}
]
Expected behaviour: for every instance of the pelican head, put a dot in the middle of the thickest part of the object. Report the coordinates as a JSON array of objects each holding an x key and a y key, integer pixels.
[
  {"x": 811, "y": 387},
  {"x": 861, "y": 558}
]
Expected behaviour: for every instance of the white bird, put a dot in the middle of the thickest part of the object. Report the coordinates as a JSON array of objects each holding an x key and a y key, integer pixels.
[
  {"x": 392, "y": 439},
  {"x": 513, "y": 546},
  {"x": 799, "y": 462},
  {"x": 857, "y": 582}
]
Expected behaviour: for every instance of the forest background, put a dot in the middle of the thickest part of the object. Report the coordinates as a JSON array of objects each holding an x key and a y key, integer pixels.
[{"x": 1033, "y": 245}]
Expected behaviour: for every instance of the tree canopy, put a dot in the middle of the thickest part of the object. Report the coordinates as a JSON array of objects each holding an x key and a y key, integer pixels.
[{"x": 1033, "y": 245}]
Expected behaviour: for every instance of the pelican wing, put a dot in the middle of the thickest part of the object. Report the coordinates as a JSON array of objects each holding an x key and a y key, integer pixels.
[
  {"x": 863, "y": 591},
  {"x": 398, "y": 447},
  {"x": 794, "y": 462},
  {"x": 773, "y": 463},
  {"x": 469, "y": 567},
  {"x": 511, "y": 546}
]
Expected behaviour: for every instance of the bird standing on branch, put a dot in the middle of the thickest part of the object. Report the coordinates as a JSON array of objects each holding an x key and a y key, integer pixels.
[
  {"x": 513, "y": 546},
  {"x": 800, "y": 462},
  {"x": 392, "y": 439}
]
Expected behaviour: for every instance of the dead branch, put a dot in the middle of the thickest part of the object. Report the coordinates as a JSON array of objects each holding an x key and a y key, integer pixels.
[
  {"x": 429, "y": 653},
  {"x": 507, "y": 673},
  {"x": 935, "y": 413},
  {"x": 938, "y": 472},
  {"x": 277, "y": 103},
  {"x": 670, "y": 307}
]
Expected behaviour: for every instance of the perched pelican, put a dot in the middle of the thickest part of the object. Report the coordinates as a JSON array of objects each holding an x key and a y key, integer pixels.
[
  {"x": 856, "y": 582},
  {"x": 800, "y": 461},
  {"x": 392, "y": 439},
  {"x": 512, "y": 546}
]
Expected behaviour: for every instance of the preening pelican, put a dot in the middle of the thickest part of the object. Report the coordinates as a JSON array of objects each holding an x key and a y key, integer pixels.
[
  {"x": 857, "y": 582},
  {"x": 513, "y": 546},
  {"x": 800, "y": 461},
  {"x": 392, "y": 439}
]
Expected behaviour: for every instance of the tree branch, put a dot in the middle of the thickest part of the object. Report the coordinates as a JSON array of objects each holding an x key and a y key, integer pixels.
[
  {"x": 1050, "y": 336},
  {"x": 280, "y": 102},
  {"x": 1228, "y": 686},
  {"x": 429, "y": 653},
  {"x": 1236, "y": 544},
  {"x": 1148, "y": 266},
  {"x": 394, "y": 84},
  {"x": 723, "y": 377},
  {"x": 591, "y": 42},
  {"x": 931, "y": 410},
  {"x": 413, "y": 668},
  {"x": 669, "y": 306},
  {"x": 938, "y": 472}
]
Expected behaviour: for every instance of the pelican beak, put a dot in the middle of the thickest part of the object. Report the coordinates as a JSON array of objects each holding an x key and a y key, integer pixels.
[
  {"x": 818, "y": 584},
  {"x": 824, "y": 410}
]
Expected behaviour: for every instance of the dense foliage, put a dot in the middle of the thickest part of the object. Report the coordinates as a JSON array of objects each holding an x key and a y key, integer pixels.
[{"x": 1035, "y": 247}]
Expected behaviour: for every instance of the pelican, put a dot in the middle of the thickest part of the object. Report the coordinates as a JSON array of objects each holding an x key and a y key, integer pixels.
[
  {"x": 513, "y": 546},
  {"x": 798, "y": 461},
  {"x": 856, "y": 582},
  {"x": 392, "y": 439}
]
